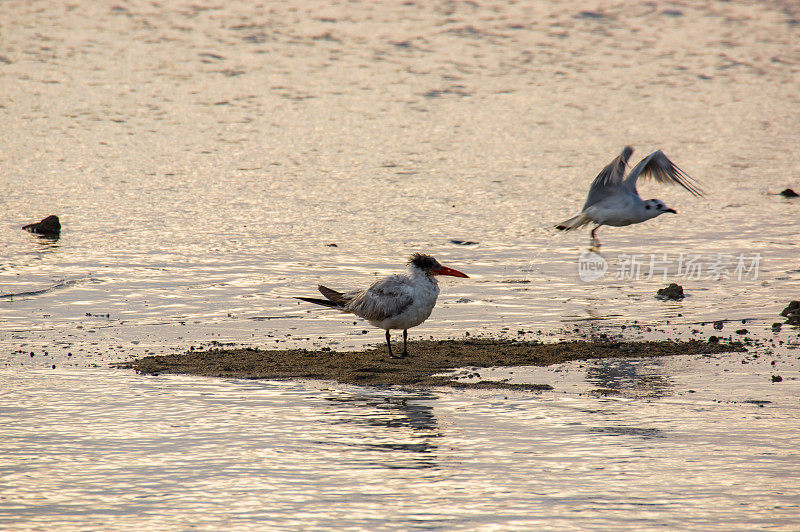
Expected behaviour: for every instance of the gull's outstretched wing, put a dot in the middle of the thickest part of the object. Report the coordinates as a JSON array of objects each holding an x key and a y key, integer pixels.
[
  {"x": 610, "y": 179},
  {"x": 659, "y": 167},
  {"x": 386, "y": 298}
]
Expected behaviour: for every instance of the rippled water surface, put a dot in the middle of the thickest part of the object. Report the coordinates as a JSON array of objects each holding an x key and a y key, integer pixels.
[
  {"x": 210, "y": 161},
  {"x": 115, "y": 451}
]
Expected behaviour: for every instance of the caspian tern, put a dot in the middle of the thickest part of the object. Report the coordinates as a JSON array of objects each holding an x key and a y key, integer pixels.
[
  {"x": 399, "y": 301},
  {"x": 614, "y": 200}
]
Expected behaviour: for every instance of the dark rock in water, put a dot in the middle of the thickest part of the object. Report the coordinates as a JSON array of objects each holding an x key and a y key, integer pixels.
[
  {"x": 464, "y": 242},
  {"x": 792, "y": 313},
  {"x": 48, "y": 226},
  {"x": 713, "y": 340},
  {"x": 789, "y": 193},
  {"x": 741, "y": 331},
  {"x": 791, "y": 308},
  {"x": 718, "y": 325},
  {"x": 777, "y": 326},
  {"x": 332, "y": 245},
  {"x": 673, "y": 291},
  {"x": 591, "y": 15},
  {"x": 777, "y": 378}
]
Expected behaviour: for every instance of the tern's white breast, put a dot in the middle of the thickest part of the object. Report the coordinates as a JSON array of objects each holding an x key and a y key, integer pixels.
[{"x": 424, "y": 291}]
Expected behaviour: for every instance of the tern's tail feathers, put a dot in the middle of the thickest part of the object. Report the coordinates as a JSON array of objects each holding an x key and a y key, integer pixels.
[
  {"x": 332, "y": 295},
  {"x": 323, "y": 302},
  {"x": 573, "y": 223}
]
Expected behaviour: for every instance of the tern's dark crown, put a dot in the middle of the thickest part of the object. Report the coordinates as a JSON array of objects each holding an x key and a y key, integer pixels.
[{"x": 423, "y": 262}]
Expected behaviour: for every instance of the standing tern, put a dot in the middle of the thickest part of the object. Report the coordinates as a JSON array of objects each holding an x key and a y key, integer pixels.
[
  {"x": 399, "y": 301},
  {"x": 614, "y": 200}
]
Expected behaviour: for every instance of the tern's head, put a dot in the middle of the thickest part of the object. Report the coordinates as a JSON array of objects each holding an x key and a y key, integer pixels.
[
  {"x": 430, "y": 266},
  {"x": 655, "y": 207}
]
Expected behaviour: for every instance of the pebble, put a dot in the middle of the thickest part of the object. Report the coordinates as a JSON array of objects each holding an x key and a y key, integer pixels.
[{"x": 673, "y": 291}]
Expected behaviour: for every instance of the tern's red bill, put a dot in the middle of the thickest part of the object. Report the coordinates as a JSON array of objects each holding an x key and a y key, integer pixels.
[{"x": 444, "y": 270}]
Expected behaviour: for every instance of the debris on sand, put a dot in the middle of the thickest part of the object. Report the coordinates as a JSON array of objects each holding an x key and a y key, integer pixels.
[
  {"x": 463, "y": 242},
  {"x": 673, "y": 291},
  {"x": 777, "y": 378},
  {"x": 429, "y": 360},
  {"x": 789, "y": 193},
  {"x": 718, "y": 325},
  {"x": 792, "y": 313},
  {"x": 48, "y": 226}
]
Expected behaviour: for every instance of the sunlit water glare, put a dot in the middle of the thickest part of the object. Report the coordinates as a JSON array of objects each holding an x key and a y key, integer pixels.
[{"x": 211, "y": 162}]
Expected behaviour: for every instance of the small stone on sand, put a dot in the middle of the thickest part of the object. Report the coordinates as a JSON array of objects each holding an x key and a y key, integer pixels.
[
  {"x": 792, "y": 313},
  {"x": 673, "y": 291}
]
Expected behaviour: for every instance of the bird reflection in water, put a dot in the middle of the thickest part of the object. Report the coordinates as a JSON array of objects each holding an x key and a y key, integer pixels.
[
  {"x": 633, "y": 377},
  {"x": 410, "y": 428}
]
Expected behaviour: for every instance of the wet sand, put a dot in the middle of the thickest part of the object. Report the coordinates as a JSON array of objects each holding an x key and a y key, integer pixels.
[{"x": 427, "y": 361}]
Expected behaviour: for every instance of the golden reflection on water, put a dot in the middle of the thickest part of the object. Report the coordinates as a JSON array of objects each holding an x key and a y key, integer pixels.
[
  {"x": 204, "y": 158},
  {"x": 110, "y": 449},
  {"x": 208, "y": 190}
]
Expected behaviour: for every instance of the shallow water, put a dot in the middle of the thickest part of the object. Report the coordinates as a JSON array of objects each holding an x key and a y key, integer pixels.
[
  {"x": 116, "y": 451},
  {"x": 202, "y": 159}
]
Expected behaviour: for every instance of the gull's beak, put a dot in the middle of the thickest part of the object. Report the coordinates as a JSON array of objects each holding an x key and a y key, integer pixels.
[
  {"x": 673, "y": 211},
  {"x": 444, "y": 270}
]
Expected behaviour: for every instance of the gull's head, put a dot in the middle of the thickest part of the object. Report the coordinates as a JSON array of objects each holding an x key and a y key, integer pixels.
[
  {"x": 429, "y": 266},
  {"x": 655, "y": 207}
]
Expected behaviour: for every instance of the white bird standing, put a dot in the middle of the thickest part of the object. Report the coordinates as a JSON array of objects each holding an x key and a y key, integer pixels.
[
  {"x": 614, "y": 200},
  {"x": 399, "y": 301}
]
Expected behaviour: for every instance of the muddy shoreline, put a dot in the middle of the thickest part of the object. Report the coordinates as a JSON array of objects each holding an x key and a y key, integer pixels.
[{"x": 428, "y": 359}]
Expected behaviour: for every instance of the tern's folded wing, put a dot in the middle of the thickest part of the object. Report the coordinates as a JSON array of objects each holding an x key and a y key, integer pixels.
[
  {"x": 333, "y": 295},
  {"x": 385, "y": 299}
]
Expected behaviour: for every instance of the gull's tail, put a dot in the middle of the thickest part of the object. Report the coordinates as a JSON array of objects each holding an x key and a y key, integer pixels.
[{"x": 573, "y": 223}]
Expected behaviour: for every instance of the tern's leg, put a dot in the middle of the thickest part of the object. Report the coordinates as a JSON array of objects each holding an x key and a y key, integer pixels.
[
  {"x": 389, "y": 345},
  {"x": 595, "y": 246},
  {"x": 405, "y": 342}
]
